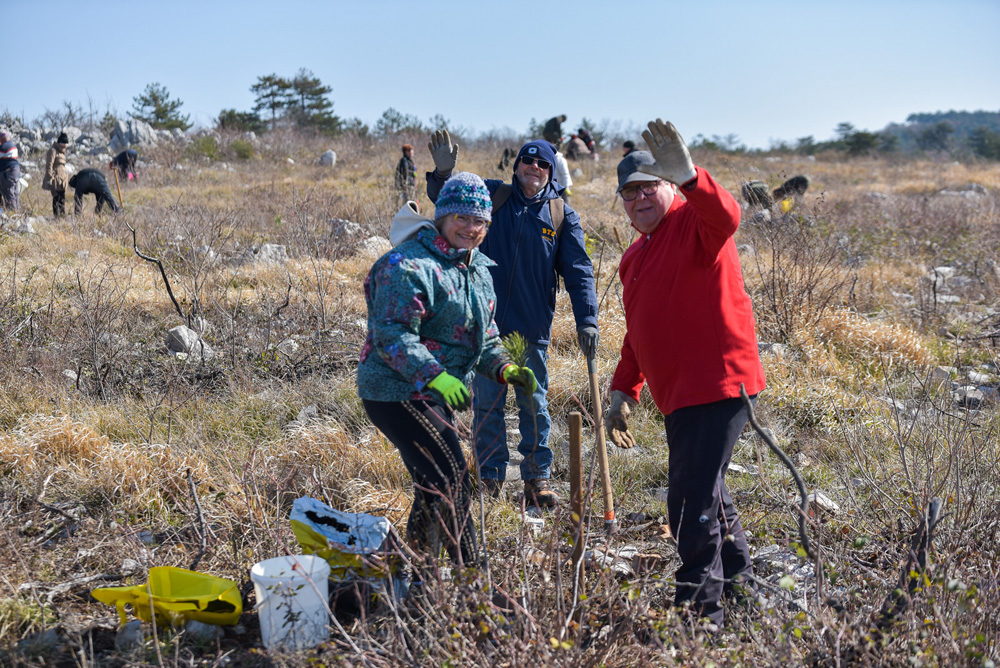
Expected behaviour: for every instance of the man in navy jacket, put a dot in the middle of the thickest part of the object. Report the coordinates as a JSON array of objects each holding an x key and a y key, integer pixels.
[{"x": 532, "y": 249}]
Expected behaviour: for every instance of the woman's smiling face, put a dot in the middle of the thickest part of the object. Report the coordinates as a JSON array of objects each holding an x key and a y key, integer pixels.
[{"x": 464, "y": 232}]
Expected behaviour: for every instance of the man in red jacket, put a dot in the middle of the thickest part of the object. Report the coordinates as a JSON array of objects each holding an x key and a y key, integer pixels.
[{"x": 690, "y": 336}]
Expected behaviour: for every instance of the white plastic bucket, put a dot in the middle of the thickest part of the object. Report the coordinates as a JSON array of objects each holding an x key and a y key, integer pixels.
[{"x": 292, "y": 601}]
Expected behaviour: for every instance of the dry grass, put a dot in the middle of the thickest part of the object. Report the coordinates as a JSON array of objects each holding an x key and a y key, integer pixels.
[{"x": 95, "y": 413}]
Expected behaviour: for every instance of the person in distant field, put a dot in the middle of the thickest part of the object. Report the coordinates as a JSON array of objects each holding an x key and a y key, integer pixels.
[
  {"x": 552, "y": 132},
  {"x": 10, "y": 172},
  {"x": 689, "y": 334},
  {"x": 628, "y": 147},
  {"x": 406, "y": 175},
  {"x": 124, "y": 162},
  {"x": 90, "y": 181},
  {"x": 576, "y": 148},
  {"x": 588, "y": 140},
  {"x": 560, "y": 175},
  {"x": 56, "y": 179},
  {"x": 534, "y": 239}
]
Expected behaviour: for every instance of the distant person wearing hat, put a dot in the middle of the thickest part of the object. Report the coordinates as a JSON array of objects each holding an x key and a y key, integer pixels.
[
  {"x": 430, "y": 327},
  {"x": 535, "y": 238},
  {"x": 90, "y": 181},
  {"x": 124, "y": 162},
  {"x": 690, "y": 335},
  {"x": 628, "y": 147},
  {"x": 552, "y": 132},
  {"x": 10, "y": 172},
  {"x": 56, "y": 179},
  {"x": 406, "y": 175},
  {"x": 588, "y": 140}
]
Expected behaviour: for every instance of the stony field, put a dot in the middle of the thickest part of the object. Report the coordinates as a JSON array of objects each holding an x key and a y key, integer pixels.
[{"x": 878, "y": 308}]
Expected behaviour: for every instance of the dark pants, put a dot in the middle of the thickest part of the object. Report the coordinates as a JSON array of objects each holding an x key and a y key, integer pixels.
[
  {"x": 103, "y": 197},
  {"x": 701, "y": 440},
  {"x": 8, "y": 186},
  {"x": 425, "y": 435},
  {"x": 58, "y": 203}
]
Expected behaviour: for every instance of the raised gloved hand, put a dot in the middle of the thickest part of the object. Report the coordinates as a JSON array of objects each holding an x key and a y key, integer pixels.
[
  {"x": 587, "y": 337},
  {"x": 521, "y": 376},
  {"x": 452, "y": 390},
  {"x": 616, "y": 421},
  {"x": 444, "y": 152},
  {"x": 673, "y": 162}
]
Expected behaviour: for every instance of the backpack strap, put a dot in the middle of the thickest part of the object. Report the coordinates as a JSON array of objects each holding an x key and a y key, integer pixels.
[
  {"x": 501, "y": 195},
  {"x": 557, "y": 211}
]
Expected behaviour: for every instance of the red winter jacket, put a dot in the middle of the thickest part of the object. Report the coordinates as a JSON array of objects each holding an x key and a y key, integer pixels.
[{"x": 690, "y": 327}]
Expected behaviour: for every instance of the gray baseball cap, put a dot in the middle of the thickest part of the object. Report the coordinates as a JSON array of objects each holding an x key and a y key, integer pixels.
[{"x": 629, "y": 166}]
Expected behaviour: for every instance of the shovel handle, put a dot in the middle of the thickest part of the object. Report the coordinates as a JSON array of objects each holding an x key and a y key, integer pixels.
[{"x": 610, "y": 524}]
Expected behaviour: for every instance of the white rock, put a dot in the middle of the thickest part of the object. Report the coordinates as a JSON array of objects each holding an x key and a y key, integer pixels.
[
  {"x": 131, "y": 635},
  {"x": 980, "y": 378},
  {"x": 272, "y": 254},
  {"x": 290, "y": 161},
  {"x": 374, "y": 247},
  {"x": 184, "y": 340},
  {"x": 201, "y": 633},
  {"x": 288, "y": 347},
  {"x": 328, "y": 159},
  {"x": 343, "y": 228},
  {"x": 820, "y": 501},
  {"x": 659, "y": 494}
]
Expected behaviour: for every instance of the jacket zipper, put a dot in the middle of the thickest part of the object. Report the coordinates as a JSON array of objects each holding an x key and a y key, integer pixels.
[{"x": 642, "y": 258}]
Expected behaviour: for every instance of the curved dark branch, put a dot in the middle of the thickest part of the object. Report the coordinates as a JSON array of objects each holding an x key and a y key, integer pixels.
[
  {"x": 159, "y": 264},
  {"x": 769, "y": 439}
]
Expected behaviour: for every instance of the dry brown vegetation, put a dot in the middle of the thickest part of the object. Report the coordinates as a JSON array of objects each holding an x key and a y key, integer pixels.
[{"x": 100, "y": 424}]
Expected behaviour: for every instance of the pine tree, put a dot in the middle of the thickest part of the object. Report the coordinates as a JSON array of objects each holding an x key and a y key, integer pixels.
[
  {"x": 155, "y": 107},
  {"x": 273, "y": 94},
  {"x": 309, "y": 105}
]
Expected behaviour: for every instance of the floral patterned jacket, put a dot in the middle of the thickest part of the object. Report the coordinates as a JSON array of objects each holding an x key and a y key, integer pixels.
[{"x": 428, "y": 312}]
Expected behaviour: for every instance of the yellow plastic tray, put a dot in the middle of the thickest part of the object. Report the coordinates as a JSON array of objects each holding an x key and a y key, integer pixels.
[{"x": 175, "y": 596}]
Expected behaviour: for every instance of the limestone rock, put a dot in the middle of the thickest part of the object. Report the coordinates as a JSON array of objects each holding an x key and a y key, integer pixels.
[
  {"x": 328, "y": 159},
  {"x": 183, "y": 340}
]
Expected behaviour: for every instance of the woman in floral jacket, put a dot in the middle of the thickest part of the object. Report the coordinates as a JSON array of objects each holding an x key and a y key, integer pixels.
[{"x": 430, "y": 328}]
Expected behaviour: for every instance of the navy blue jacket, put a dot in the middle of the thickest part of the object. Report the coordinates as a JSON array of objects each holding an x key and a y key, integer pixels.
[{"x": 530, "y": 260}]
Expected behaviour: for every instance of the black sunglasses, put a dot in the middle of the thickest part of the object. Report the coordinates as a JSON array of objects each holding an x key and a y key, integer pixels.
[{"x": 542, "y": 164}]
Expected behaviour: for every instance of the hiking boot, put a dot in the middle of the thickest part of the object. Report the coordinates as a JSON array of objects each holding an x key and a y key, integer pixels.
[
  {"x": 538, "y": 493},
  {"x": 492, "y": 487}
]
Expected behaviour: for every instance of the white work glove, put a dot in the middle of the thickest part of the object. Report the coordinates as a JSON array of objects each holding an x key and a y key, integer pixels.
[
  {"x": 444, "y": 152},
  {"x": 673, "y": 162},
  {"x": 616, "y": 421}
]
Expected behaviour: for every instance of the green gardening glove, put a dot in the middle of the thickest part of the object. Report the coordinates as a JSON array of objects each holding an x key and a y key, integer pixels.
[
  {"x": 444, "y": 152},
  {"x": 521, "y": 376},
  {"x": 673, "y": 162},
  {"x": 452, "y": 390}
]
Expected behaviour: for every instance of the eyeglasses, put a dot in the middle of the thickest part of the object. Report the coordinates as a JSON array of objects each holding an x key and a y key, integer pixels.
[
  {"x": 469, "y": 221},
  {"x": 542, "y": 164},
  {"x": 631, "y": 191}
]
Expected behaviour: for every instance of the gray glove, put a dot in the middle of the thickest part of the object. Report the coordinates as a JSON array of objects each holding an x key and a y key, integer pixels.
[
  {"x": 616, "y": 421},
  {"x": 444, "y": 152},
  {"x": 587, "y": 337},
  {"x": 673, "y": 162}
]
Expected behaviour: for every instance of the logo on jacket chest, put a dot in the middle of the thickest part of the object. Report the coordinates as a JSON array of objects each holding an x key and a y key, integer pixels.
[{"x": 548, "y": 233}]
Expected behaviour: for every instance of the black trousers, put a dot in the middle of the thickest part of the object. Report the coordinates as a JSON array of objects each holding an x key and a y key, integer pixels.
[
  {"x": 424, "y": 433},
  {"x": 104, "y": 196},
  {"x": 701, "y": 440},
  {"x": 58, "y": 203}
]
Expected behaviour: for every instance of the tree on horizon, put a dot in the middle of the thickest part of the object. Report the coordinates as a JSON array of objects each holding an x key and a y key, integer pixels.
[{"x": 155, "y": 107}]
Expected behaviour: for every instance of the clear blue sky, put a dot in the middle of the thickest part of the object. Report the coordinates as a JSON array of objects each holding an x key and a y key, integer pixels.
[{"x": 761, "y": 70}]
